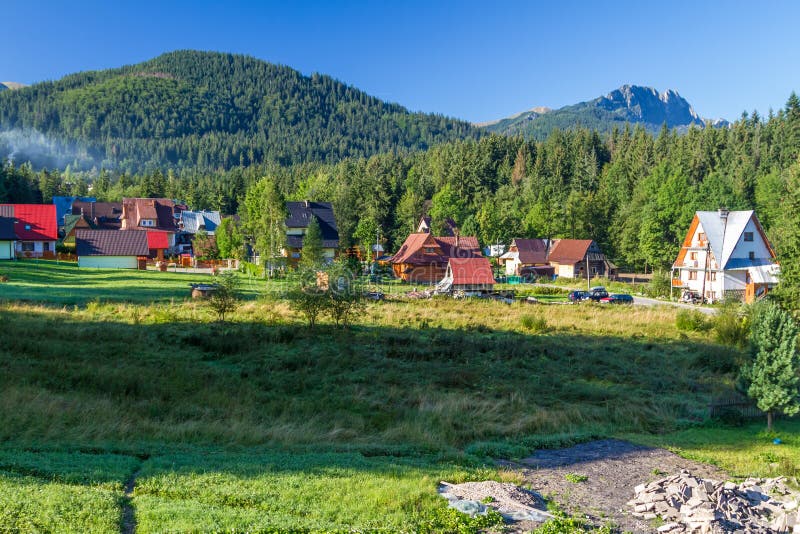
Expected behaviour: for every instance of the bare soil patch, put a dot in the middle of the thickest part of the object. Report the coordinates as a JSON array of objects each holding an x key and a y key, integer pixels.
[{"x": 612, "y": 468}]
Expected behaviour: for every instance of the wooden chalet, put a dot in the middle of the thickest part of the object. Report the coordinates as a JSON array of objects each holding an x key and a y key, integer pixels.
[{"x": 423, "y": 258}]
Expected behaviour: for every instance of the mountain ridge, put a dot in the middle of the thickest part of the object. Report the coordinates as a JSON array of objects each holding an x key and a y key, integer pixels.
[
  {"x": 629, "y": 103},
  {"x": 214, "y": 110}
]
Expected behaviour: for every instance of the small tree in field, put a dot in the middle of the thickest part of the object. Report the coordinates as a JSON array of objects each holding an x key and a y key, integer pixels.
[
  {"x": 225, "y": 298},
  {"x": 307, "y": 297},
  {"x": 345, "y": 299},
  {"x": 772, "y": 374}
]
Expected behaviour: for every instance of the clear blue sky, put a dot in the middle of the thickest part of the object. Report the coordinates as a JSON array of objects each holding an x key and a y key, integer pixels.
[{"x": 476, "y": 60}]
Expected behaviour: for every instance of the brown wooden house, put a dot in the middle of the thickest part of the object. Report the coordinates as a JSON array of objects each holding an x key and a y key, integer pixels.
[{"x": 423, "y": 258}]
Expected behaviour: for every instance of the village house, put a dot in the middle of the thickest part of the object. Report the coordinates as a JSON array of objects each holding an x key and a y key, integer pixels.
[
  {"x": 300, "y": 215},
  {"x": 151, "y": 214},
  {"x": 726, "y": 255},
  {"x": 423, "y": 258},
  {"x": 99, "y": 215},
  {"x": 524, "y": 253},
  {"x": 467, "y": 275},
  {"x": 571, "y": 258},
  {"x": 112, "y": 249},
  {"x": 64, "y": 206},
  {"x": 7, "y": 238},
  {"x": 35, "y": 228}
]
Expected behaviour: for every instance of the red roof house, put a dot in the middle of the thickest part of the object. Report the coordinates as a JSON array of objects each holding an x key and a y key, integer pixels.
[
  {"x": 36, "y": 228},
  {"x": 423, "y": 258}
]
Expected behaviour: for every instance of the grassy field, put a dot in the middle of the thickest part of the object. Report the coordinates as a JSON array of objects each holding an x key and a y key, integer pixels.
[{"x": 259, "y": 423}]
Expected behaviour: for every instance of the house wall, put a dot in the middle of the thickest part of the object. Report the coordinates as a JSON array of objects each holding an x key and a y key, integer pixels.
[
  {"x": 757, "y": 246},
  {"x": 565, "y": 271},
  {"x": 419, "y": 274},
  {"x": 6, "y": 250},
  {"x": 512, "y": 265},
  {"x": 734, "y": 280},
  {"x": 38, "y": 249},
  {"x": 108, "y": 262}
]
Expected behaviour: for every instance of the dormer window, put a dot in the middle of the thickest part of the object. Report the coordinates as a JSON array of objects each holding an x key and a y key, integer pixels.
[
  {"x": 27, "y": 226},
  {"x": 147, "y": 222}
]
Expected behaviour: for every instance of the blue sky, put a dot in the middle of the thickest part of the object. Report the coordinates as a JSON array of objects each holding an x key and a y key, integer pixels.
[{"x": 476, "y": 60}]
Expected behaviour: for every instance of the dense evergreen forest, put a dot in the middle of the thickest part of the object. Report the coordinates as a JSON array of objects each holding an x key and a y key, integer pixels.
[
  {"x": 633, "y": 192},
  {"x": 207, "y": 110}
]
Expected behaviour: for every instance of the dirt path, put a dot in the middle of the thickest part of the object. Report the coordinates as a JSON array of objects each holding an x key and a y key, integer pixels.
[
  {"x": 613, "y": 468},
  {"x": 128, "y": 525}
]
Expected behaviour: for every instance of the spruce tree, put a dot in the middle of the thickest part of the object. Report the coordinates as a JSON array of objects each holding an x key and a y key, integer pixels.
[
  {"x": 773, "y": 373},
  {"x": 311, "y": 256}
]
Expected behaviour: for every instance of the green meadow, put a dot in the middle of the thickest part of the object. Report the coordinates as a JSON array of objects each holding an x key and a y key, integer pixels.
[{"x": 259, "y": 424}]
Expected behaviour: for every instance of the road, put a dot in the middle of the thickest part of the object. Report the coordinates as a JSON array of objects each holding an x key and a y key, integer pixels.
[{"x": 646, "y": 301}]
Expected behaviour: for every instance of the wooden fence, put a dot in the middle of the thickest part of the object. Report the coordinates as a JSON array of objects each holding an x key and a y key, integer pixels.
[{"x": 734, "y": 404}]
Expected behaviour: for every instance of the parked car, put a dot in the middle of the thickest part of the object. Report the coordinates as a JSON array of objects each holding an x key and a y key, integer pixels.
[
  {"x": 617, "y": 298},
  {"x": 596, "y": 293},
  {"x": 691, "y": 297},
  {"x": 578, "y": 296}
]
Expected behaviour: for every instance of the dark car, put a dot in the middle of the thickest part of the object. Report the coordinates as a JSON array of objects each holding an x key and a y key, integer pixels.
[
  {"x": 597, "y": 293},
  {"x": 617, "y": 298},
  {"x": 578, "y": 296}
]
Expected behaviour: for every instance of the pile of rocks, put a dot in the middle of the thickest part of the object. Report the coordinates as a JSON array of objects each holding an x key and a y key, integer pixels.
[
  {"x": 691, "y": 504},
  {"x": 511, "y": 501}
]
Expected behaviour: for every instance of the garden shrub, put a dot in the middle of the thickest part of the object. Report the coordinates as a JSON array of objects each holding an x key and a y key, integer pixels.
[{"x": 691, "y": 320}]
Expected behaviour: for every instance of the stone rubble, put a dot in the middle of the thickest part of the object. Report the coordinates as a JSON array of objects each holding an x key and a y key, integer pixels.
[
  {"x": 511, "y": 501},
  {"x": 687, "y": 504}
]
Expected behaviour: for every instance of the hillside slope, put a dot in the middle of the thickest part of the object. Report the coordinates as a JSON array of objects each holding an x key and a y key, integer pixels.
[
  {"x": 628, "y": 104},
  {"x": 210, "y": 110}
]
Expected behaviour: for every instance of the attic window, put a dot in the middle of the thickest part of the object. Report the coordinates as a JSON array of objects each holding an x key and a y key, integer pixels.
[
  {"x": 27, "y": 226},
  {"x": 701, "y": 236},
  {"x": 748, "y": 236},
  {"x": 751, "y": 255}
]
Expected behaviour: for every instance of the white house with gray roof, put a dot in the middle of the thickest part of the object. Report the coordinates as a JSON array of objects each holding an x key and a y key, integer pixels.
[{"x": 726, "y": 254}]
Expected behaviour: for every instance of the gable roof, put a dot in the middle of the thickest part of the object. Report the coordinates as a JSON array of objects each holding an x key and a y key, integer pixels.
[
  {"x": 723, "y": 234},
  {"x": 111, "y": 243},
  {"x": 64, "y": 205},
  {"x": 159, "y": 209},
  {"x": 103, "y": 215},
  {"x": 412, "y": 249},
  {"x": 192, "y": 221},
  {"x": 569, "y": 250},
  {"x": 71, "y": 222},
  {"x": 300, "y": 214},
  {"x": 470, "y": 271},
  {"x": 156, "y": 239},
  {"x": 7, "y": 229},
  {"x": 531, "y": 250},
  {"x": 33, "y": 222}
]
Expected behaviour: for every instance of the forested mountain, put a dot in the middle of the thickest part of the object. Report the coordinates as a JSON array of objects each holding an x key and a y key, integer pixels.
[
  {"x": 208, "y": 110},
  {"x": 628, "y": 104},
  {"x": 5, "y": 86}
]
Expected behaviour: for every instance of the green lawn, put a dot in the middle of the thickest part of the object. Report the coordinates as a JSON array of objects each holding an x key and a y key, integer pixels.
[
  {"x": 260, "y": 424},
  {"x": 64, "y": 283}
]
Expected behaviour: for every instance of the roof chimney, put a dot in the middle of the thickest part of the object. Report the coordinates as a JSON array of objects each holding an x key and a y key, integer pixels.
[{"x": 456, "y": 232}]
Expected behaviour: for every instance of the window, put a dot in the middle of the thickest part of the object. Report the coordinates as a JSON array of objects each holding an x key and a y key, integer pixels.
[
  {"x": 692, "y": 275},
  {"x": 711, "y": 276},
  {"x": 46, "y": 246},
  {"x": 701, "y": 236},
  {"x": 693, "y": 256},
  {"x": 27, "y": 246},
  {"x": 27, "y": 226},
  {"x": 748, "y": 236},
  {"x": 147, "y": 222},
  {"x": 751, "y": 255},
  {"x": 430, "y": 250}
]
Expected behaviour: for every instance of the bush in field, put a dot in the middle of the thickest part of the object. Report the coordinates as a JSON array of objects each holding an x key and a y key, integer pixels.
[
  {"x": 534, "y": 323},
  {"x": 659, "y": 285},
  {"x": 307, "y": 297},
  {"x": 732, "y": 325},
  {"x": 691, "y": 320},
  {"x": 344, "y": 297},
  {"x": 225, "y": 298}
]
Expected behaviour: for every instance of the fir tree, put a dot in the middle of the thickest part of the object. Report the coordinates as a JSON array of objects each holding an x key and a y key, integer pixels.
[
  {"x": 311, "y": 256},
  {"x": 773, "y": 374}
]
